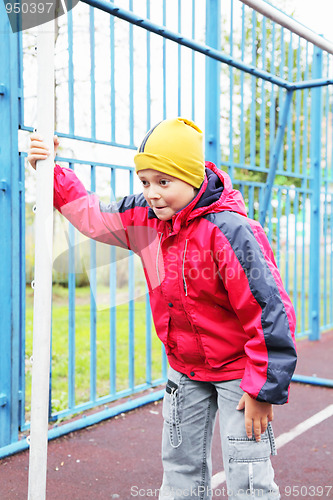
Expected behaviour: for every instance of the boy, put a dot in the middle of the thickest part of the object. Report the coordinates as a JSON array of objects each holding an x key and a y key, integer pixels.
[{"x": 218, "y": 305}]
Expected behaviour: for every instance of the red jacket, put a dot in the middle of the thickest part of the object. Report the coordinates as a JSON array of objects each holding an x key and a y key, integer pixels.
[{"x": 218, "y": 302}]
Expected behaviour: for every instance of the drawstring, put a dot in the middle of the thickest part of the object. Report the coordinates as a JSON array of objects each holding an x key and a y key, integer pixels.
[
  {"x": 157, "y": 256},
  {"x": 174, "y": 419},
  {"x": 183, "y": 268}
]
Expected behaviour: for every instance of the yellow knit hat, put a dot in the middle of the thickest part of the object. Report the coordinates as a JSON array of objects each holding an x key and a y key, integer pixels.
[{"x": 174, "y": 147}]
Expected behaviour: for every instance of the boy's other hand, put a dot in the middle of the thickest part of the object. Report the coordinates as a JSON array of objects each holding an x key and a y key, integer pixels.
[
  {"x": 257, "y": 415},
  {"x": 38, "y": 150}
]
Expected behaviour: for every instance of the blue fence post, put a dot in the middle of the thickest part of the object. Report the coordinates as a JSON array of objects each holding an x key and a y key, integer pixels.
[
  {"x": 11, "y": 193},
  {"x": 315, "y": 155},
  {"x": 274, "y": 159},
  {"x": 212, "y": 97}
]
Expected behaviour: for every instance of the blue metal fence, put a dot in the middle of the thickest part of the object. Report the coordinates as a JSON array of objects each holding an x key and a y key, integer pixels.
[{"x": 265, "y": 99}]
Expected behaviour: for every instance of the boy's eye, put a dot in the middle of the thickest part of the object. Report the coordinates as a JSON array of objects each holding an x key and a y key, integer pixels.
[
  {"x": 164, "y": 182},
  {"x": 144, "y": 183}
]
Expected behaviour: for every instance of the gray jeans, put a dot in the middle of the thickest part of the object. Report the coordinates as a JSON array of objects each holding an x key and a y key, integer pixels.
[{"x": 189, "y": 411}]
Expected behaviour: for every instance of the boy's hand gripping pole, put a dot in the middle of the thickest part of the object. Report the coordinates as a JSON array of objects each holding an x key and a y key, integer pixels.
[{"x": 43, "y": 268}]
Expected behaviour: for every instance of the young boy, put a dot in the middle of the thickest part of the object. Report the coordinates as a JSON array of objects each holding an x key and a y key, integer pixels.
[{"x": 218, "y": 305}]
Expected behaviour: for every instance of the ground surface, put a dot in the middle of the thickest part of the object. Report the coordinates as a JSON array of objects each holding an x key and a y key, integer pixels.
[{"x": 120, "y": 458}]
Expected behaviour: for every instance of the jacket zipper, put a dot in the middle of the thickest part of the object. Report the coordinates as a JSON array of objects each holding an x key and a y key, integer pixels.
[
  {"x": 183, "y": 269},
  {"x": 157, "y": 256}
]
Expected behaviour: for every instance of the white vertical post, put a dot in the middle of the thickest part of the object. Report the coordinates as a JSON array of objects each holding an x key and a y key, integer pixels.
[{"x": 43, "y": 268}]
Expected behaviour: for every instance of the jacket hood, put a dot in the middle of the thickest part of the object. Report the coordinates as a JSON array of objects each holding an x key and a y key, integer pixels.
[{"x": 217, "y": 194}]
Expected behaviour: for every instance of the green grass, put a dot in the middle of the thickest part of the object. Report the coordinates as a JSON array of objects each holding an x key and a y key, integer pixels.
[{"x": 82, "y": 347}]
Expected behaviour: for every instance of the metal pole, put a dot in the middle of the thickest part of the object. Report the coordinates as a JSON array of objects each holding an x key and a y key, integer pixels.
[
  {"x": 315, "y": 184},
  {"x": 304, "y": 379},
  {"x": 292, "y": 25},
  {"x": 212, "y": 92},
  {"x": 11, "y": 237},
  {"x": 43, "y": 268}
]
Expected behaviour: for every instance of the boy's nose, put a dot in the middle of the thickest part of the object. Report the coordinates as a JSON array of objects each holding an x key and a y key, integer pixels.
[{"x": 153, "y": 194}]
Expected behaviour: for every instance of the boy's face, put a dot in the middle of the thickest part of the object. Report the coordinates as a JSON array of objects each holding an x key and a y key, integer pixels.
[{"x": 165, "y": 194}]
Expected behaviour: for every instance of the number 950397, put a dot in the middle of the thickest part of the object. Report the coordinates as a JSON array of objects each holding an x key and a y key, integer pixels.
[{"x": 28, "y": 8}]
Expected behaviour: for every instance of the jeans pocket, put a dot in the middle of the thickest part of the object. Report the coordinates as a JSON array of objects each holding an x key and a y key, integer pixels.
[
  {"x": 248, "y": 450},
  {"x": 250, "y": 473}
]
